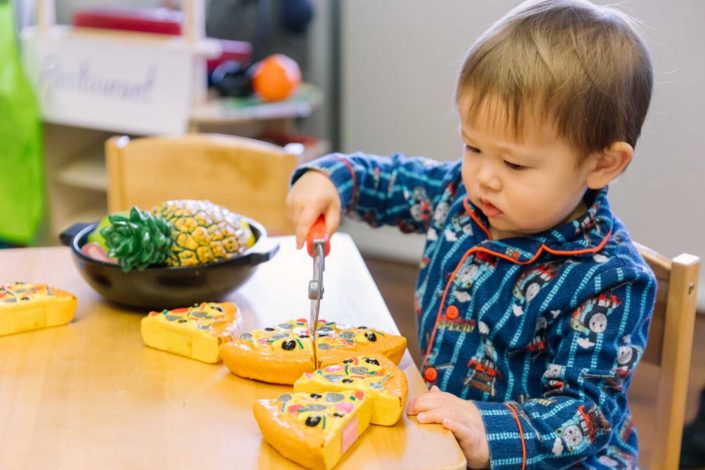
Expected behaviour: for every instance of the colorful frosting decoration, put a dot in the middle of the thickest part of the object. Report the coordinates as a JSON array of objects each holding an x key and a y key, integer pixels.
[
  {"x": 195, "y": 332},
  {"x": 281, "y": 353},
  {"x": 314, "y": 429},
  {"x": 26, "y": 307},
  {"x": 374, "y": 374}
]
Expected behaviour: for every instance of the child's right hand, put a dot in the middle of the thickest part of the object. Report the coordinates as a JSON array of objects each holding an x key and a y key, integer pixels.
[{"x": 313, "y": 194}]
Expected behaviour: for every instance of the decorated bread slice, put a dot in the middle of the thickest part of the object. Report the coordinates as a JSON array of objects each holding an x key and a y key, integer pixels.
[
  {"x": 25, "y": 307},
  {"x": 281, "y": 353},
  {"x": 374, "y": 374},
  {"x": 195, "y": 332},
  {"x": 314, "y": 429}
]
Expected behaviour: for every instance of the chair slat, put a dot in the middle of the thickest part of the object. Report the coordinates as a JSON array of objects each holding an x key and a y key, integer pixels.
[{"x": 669, "y": 348}]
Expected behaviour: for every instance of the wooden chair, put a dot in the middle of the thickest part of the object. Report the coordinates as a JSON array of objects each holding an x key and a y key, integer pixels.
[
  {"x": 659, "y": 400},
  {"x": 247, "y": 176}
]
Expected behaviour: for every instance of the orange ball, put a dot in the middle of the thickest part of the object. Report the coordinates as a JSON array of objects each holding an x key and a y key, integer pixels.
[{"x": 276, "y": 77}]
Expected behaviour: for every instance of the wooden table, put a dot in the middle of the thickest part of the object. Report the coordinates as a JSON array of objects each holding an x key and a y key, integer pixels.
[{"x": 91, "y": 395}]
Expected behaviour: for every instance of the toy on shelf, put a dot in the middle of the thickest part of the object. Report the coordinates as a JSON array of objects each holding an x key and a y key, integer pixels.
[
  {"x": 143, "y": 84},
  {"x": 160, "y": 21},
  {"x": 276, "y": 77},
  {"x": 155, "y": 75}
]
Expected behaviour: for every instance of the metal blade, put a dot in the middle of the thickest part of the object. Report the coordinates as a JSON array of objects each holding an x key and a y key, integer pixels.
[{"x": 315, "y": 293}]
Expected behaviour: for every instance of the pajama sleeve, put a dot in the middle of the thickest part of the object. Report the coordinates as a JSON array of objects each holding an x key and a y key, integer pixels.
[
  {"x": 396, "y": 190},
  {"x": 594, "y": 350}
]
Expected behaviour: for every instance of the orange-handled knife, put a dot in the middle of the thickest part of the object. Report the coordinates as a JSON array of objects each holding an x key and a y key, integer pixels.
[{"x": 318, "y": 247}]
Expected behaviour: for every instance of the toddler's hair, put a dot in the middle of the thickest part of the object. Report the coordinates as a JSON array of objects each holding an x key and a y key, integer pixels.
[{"x": 581, "y": 67}]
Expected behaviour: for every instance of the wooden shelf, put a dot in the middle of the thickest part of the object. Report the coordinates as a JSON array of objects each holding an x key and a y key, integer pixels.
[
  {"x": 148, "y": 85},
  {"x": 238, "y": 110},
  {"x": 87, "y": 173}
]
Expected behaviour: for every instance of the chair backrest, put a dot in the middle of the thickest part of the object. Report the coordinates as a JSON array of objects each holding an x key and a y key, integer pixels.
[
  {"x": 669, "y": 348},
  {"x": 247, "y": 176}
]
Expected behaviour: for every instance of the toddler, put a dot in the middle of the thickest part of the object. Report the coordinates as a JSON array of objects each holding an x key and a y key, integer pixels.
[{"x": 533, "y": 305}]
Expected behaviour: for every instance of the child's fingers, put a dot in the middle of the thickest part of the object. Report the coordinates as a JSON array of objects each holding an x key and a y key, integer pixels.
[
  {"x": 293, "y": 210},
  {"x": 424, "y": 402},
  {"x": 332, "y": 219},
  {"x": 306, "y": 219},
  {"x": 302, "y": 229},
  {"x": 434, "y": 415},
  {"x": 293, "y": 213},
  {"x": 456, "y": 427}
]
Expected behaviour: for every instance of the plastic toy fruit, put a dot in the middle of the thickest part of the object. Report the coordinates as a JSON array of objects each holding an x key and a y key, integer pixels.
[
  {"x": 97, "y": 252},
  {"x": 276, "y": 77},
  {"x": 176, "y": 233},
  {"x": 96, "y": 237}
]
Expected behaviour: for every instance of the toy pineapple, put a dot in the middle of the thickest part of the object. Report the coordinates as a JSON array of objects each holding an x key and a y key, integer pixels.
[{"x": 176, "y": 233}]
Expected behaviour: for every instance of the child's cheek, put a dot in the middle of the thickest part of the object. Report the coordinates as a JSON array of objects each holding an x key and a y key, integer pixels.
[{"x": 467, "y": 174}]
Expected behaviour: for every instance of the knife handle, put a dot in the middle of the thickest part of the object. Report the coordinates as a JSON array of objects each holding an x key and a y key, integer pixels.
[{"x": 318, "y": 233}]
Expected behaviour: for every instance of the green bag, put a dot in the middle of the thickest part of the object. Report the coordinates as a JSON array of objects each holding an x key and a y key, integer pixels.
[{"x": 21, "y": 160}]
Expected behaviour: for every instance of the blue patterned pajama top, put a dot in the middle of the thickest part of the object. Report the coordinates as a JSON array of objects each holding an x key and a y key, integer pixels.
[{"x": 541, "y": 332}]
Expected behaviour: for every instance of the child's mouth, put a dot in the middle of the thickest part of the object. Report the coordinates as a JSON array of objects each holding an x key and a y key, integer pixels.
[{"x": 489, "y": 209}]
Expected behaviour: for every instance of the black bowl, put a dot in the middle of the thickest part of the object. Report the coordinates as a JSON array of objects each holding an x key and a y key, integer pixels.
[{"x": 167, "y": 287}]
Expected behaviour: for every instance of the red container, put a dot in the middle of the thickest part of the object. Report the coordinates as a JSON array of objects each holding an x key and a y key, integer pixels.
[{"x": 156, "y": 21}]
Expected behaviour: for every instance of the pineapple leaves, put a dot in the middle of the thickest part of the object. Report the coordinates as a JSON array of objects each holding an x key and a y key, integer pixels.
[{"x": 138, "y": 240}]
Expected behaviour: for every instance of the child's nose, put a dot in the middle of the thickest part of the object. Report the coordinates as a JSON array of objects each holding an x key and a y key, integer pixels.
[{"x": 488, "y": 178}]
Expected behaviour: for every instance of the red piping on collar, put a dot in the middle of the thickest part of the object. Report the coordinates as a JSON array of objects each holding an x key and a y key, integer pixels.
[
  {"x": 443, "y": 301},
  {"x": 472, "y": 214},
  {"x": 542, "y": 248},
  {"x": 499, "y": 255}
]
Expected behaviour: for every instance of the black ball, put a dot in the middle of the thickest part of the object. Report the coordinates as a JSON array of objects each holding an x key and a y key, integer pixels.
[{"x": 233, "y": 79}]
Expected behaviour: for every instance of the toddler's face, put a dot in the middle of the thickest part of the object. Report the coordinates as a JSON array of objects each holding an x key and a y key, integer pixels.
[{"x": 524, "y": 186}]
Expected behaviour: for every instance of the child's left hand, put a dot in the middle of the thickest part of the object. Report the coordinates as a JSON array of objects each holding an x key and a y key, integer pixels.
[{"x": 459, "y": 416}]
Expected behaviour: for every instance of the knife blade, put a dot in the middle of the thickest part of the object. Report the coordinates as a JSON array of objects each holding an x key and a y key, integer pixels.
[{"x": 318, "y": 247}]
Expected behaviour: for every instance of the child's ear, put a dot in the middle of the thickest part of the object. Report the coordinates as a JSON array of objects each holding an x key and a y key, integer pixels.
[{"x": 608, "y": 164}]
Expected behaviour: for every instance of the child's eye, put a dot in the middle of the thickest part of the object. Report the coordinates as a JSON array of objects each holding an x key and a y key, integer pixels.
[
  {"x": 514, "y": 166},
  {"x": 472, "y": 149}
]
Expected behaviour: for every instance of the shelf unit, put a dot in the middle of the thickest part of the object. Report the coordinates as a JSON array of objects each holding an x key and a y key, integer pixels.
[{"x": 93, "y": 84}]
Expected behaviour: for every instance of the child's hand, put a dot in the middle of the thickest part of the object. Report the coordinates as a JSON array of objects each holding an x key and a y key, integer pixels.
[
  {"x": 313, "y": 194},
  {"x": 459, "y": 416}
]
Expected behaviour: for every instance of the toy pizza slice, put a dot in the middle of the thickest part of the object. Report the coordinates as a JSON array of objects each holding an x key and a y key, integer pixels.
[
  {"x": 281, "y": 353},
  {"x": 25, "y": 307},
  {"x": 374, "y": 374},
  {"x": 195, "y": 332},
  {"x": 314, "y": 429}
]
